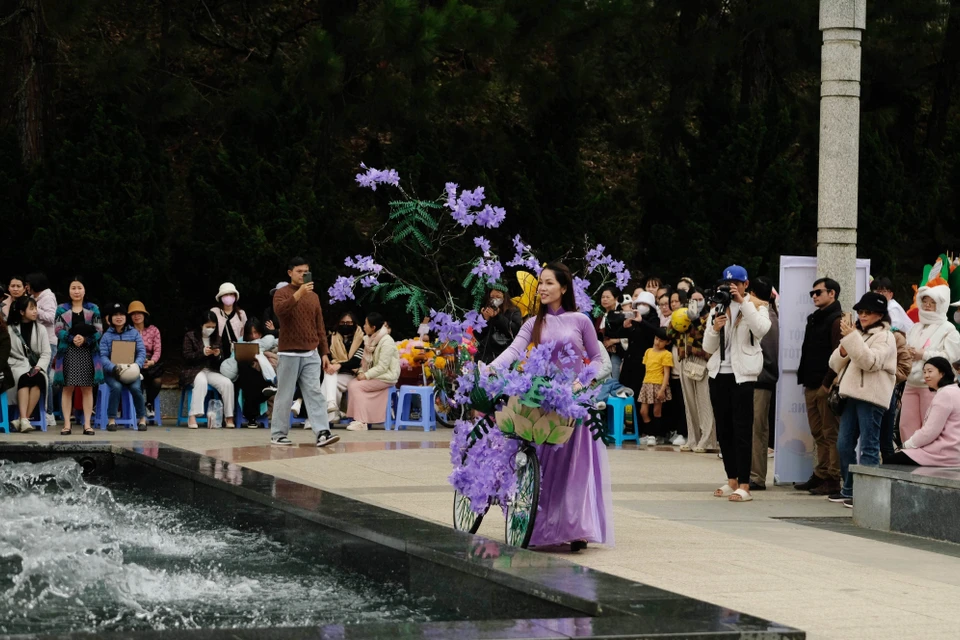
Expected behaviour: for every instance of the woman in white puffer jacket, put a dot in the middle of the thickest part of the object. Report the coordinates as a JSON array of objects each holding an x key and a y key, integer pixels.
[{"x": 933, "y": 336}]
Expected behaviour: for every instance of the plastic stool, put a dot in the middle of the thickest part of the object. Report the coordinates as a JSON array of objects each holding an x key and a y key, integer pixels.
[
  {"x": 4, "y": 414},
  {"x": 616, "y": 410},
  {"x": 186, "y": 396},
  {"x": 14, "y": 412},
  {"x": 390, "y": 417},
  {"x": 428, "y": 414},
  {"x": 127, "y": 415}
]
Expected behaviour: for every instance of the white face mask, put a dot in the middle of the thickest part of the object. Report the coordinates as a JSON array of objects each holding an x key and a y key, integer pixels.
[
  {"x": 695, "y": 305},
  {"x": 643, "y": 309},
  {"x": 208, "y": 331},
  {"x": 496, "y": 302}
]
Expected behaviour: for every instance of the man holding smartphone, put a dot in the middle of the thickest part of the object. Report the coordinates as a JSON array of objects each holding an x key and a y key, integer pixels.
[
  {"x": 304, "y": 356},
  {"x": 821, "y": 338}
]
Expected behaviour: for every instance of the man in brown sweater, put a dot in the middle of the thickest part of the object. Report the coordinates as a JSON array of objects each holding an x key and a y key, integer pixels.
[{"x": 304, "y": 355}]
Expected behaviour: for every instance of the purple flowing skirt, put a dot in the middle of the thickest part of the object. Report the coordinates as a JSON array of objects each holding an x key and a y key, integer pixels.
[{"x": 576, "y": 500}]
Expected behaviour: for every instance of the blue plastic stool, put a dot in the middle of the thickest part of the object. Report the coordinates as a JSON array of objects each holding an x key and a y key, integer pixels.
[
  {"x": 263, "y": 421},
  {"x": 616, "y": 416},
  {"x": 186, "y": 396},
  {"x": 4, "y": 414},
  {"x": 390, "y": 417},
  {"x": 428, "y": 414},
  {"x": 127, "y": 415}
]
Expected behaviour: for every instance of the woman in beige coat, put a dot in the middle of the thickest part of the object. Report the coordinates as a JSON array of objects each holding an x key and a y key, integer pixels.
[
  {"x": 866, "y": 364},
  {"x": 368, "y": 393},
  {"x": 29, "y": 359}
]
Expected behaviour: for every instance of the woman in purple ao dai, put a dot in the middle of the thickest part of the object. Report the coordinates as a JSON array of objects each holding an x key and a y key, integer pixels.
[{"x": 575, "y": 495}]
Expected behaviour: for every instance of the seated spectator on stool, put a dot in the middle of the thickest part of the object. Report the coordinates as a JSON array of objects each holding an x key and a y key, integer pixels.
[
  {"x": 15, "y": 290},
  {"x": 201, "y": 367},
  {"x": 120, "y": 376},
  {"x": 257, "y": 379},
  {"x": 152, "y": 369},
  {"x": 937, "y": 442},
  {"x": 39, "y": 287},
  {"x": 346, "y": 356},
  {"x": 29, "y": 358},
  {"x": 367, "y": 395}
]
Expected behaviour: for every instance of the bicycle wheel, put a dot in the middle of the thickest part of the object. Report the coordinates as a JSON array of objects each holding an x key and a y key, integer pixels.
[
  {"x": 465, "y": 518},
  {"x": 449, "y": 420},
  {"x": 522, "y": 509}
]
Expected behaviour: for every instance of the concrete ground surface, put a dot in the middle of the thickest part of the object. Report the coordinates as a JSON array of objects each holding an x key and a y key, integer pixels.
[{"x": 670, "y": 531}]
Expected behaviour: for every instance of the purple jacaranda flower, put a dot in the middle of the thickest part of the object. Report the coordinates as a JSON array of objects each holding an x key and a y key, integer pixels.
[
  {"x": 522, "y": 256},
  {"x": 472, "y": 199},
  {"x": 491, "y": 217},
  {"x": 341, "y": 290},
  {"x": 369, "y": 281},
  {"x": 581, "y": 295},
  {"x": 483, "y": 244},
  {"x": 372, "y": 177},
  {"x": 489, "y": 269},
  {"x": 473, "y": 320}
]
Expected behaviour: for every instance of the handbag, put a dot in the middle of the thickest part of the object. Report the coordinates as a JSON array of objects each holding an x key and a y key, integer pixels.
[
  {"x": 32, "y": 356},
  {"x": 694, "y": 368},
  {"x": 834, "y": 401}
]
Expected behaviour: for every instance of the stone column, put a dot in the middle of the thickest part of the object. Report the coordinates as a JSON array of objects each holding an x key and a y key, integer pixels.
[{"x": 842, "y": 23}]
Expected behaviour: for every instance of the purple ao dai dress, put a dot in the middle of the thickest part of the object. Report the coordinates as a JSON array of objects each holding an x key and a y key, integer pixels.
[{"x": 575, "y": 495}]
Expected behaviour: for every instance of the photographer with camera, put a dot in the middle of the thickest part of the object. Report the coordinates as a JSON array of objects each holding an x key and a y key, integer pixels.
[
  {"x": 639, "y": 327},
  {"x": 735, "y": 327},
  {"x": 503, "y": 322}
]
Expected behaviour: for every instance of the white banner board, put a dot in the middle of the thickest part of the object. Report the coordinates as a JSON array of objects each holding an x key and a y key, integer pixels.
[{"x": 794, "y": 459}]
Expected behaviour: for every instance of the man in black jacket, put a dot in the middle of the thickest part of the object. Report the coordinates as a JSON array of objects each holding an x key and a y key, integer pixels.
[
  {"x": 822, "y": 336},
  {"x": 639, "y": 331}
]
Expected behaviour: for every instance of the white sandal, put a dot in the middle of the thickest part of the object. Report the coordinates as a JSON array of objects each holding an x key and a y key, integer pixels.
[
  {"x": 742, "y": 494},
  {"x": 723, "y": 492}
]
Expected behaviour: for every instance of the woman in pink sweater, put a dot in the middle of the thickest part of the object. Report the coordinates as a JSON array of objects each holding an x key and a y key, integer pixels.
[{"x": 937, "y": 442}]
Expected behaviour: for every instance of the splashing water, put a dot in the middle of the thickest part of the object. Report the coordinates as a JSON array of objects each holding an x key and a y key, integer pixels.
[{"x": 77, "y": 557}]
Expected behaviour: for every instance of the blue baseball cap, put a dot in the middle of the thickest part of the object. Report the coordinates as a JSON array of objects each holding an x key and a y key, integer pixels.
[{"x": 735, "y": 272}]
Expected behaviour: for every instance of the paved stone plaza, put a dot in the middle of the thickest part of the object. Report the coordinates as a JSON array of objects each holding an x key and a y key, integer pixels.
[{"x": 823, "y": 576}]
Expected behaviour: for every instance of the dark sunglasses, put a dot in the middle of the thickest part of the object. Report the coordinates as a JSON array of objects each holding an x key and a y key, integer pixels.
[{"x": 817, "y": 292}]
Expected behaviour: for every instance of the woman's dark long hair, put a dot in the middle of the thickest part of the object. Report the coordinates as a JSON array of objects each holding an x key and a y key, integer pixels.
[
  {"x": 568, "y": 301},
  {"x": 943, "y": 366},
  {"x": 19, "y": 307},
  {"x": 253, "y": 324}
]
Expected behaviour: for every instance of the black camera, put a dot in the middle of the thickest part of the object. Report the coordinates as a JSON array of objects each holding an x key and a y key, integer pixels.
[{"x": 721, "y": 298}]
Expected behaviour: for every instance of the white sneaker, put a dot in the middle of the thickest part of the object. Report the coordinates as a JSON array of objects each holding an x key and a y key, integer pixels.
[
  {"x": 26, "y": 427},
  {"x": 307, "y": 425},
  {"x": 650, "y": 441},
  {"x": 150, "y": 414},
  {"x": 357, "y": 426},
  {"x": 295, "y": 407},
  {"x": 601, "y": 406},
  {"x": 678, "y": 440},
  {"x": 14, "y": 424},
  {"x": 51, "y": 420}
]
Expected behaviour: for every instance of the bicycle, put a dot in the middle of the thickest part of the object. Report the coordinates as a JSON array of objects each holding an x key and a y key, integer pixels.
[
  {"x": 444, "y": 383},
  {"x": 521, "y": 509}
]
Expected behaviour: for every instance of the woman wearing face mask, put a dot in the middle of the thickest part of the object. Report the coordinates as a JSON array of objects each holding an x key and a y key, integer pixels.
[
  {"x": 15, "y": 290},
  {"x": 346, "y": 356},
  {"x": 202, "y": 356},
  {"x": 934, "y": 336},
  {"x": 575, "y": 494},
  {"x": 46, "y": 315},
  {"x": 120, "y": 330},
  {"x": 29, "y": 359},
  {"x": 230, "y": 318},
  {"x": 368, "y": 393},
  {"x": 503, "y": 323},
  {"x": 694, "y": 382}
]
